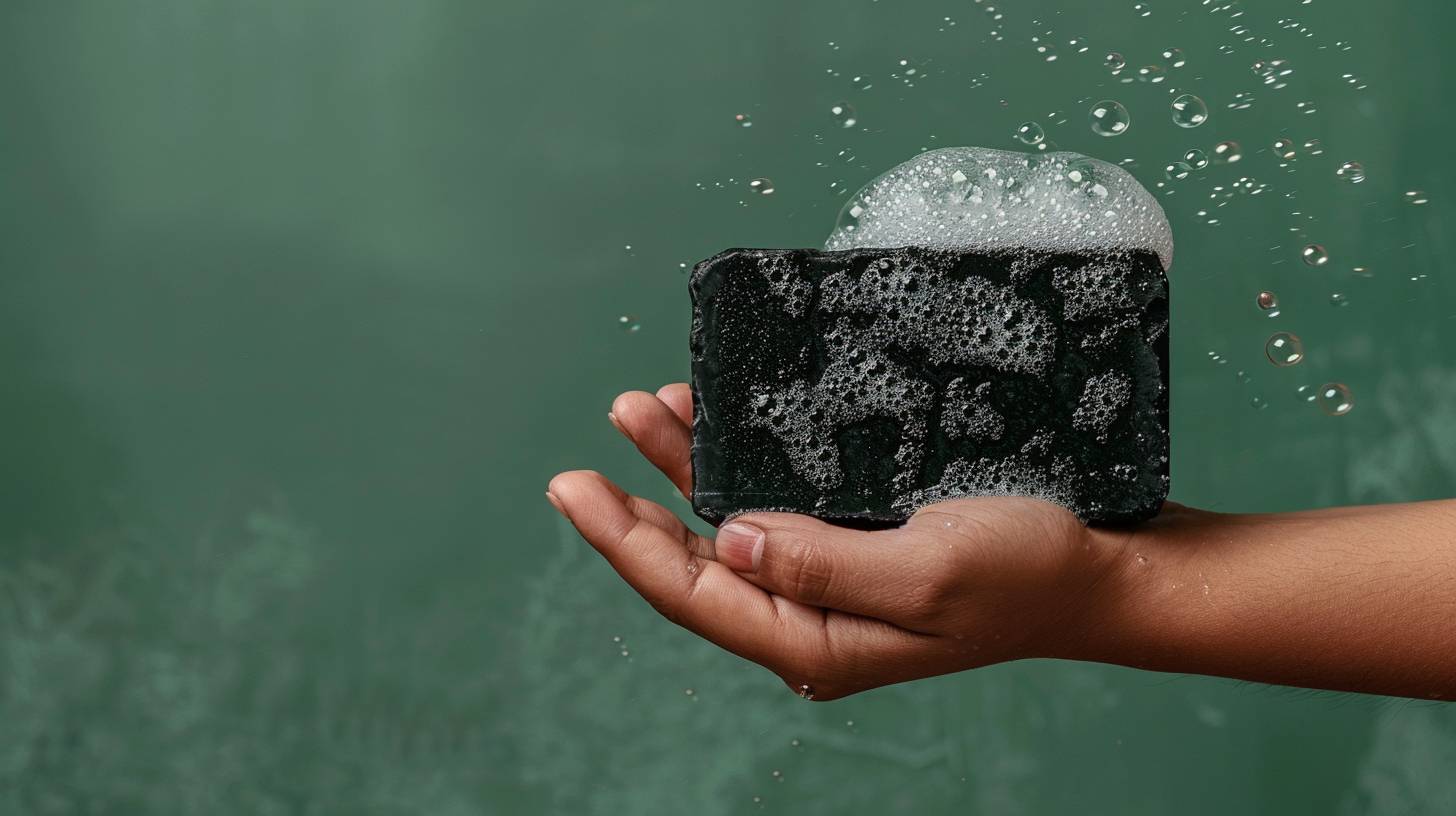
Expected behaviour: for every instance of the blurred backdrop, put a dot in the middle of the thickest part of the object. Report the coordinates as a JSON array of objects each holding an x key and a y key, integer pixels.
[{"x": 303, "y": 301}]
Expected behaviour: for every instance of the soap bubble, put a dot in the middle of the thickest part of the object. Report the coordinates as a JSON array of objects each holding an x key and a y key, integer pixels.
[
  {"x": 1151, "y": 73},
  {"x": 1047, "y": 51},
  {"x": 1362, "y": 271},
  {"x": 1284, "y": 349},
  {"x": 1189, "y": 111},
  {"x": 1335, "y": 399},
  {"x": 843, "y": 114},
  {"x": 1196, "y": 159},
  {"x": 629, "y": 324},
  {"x": 762, "y": 186},
  {"x": 1315, "y": 255},
  {"x": 1416, "y": 197},
  {"x": 1175, "y": 57},
  {"x": 743, "y": 119},
  {"x": 1177, "y": 171},
  {"x": 1314, "y": 147},
  {"x": 1141, "y": 9},
  {"x": 1109, "y": 118},
  {"x": 1030, "y": 133},
  {"x": 1339, "y": 299},
  {"x": 1284, "y": 148},
  {"x": 1227, "y": 152},
  {"x": 1269, "y": 302},
  {"x": 1114, "y": 62},
  {"x": 1351, "y": 171}
]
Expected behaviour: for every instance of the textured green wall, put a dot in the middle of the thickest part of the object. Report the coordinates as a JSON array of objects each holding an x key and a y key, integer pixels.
[{"x": 302, "y": 302}]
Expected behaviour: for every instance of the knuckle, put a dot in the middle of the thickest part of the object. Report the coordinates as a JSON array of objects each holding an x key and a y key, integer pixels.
[{"x": 805, "y": 567}]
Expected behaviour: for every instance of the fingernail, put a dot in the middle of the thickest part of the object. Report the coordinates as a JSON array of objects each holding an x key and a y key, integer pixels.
[
  {"x": 617, "y": 424},
  {"x": 739, "y": 546},
  {"x": 555, "y": 502}
]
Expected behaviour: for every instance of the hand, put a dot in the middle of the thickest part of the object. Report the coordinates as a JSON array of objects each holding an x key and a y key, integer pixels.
[{"x": 834, "y": 611}]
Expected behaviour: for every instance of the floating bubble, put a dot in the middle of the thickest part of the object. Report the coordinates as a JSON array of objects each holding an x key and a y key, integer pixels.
[
  {"x": 743, "y": 119},
  {"x": 1114, "y": 62},
  {"x": 843, "y": 114},
  {"x": 1274, "y": 72},
  {"x": 1362, "y": 271},
  {"x": 1269, "y": 302},
  {"x": 1047, "y": 51},
  {"x": 1141, "y": 9},
  {"x": 1308, "y": 393},
  {"x": 1315, "y": 255},
  {"x": 1151, "y": 73},
  {"x": 1335, "y": 399},
  {"x": 1305, "y": 107},
  {"x": 1338, "y": 299},
  {"x": 762, "y": 186},
  {"x": 1030, "y": 133},
  {"x": 1415, "y": 197},
  {"x": 1196, "y": 159},
  {"x": 1177, "y": 171},
  {"x": 629, "y": 323},
  {"x": 1189, "y": 111},
  {"x": 1242, "y": 101},
  {"x": 1227, "y": 153},
  {"x": 1351, "y": 172},
  {"x": 1314, "y": 148},
  {"x": 1109, "y": 118},
  {"x": 1284, "y": 349},
  {"x": 1175, "y": 57},
  {"x": 1259, "y": 403},
  {"x": 1284, "y": 149}
]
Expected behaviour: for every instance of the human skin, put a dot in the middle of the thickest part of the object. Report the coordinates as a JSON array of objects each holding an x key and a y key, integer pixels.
[{"x": 1349, "y": 598}]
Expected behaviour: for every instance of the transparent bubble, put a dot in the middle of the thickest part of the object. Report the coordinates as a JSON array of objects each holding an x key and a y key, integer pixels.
[
  {"x": 1335, "y": 399},
  {"x": 1351, "y": 172},
  {"x": 1114, "y": 62},
  {"x": 1151, "y": 73},
  {"x": 1177, "y": 171},
  {"x": 1047, "y": 51},
  {"x": 629, "y": 324},
  {"x": 1338, "y": 299},
  {"x": 1227, "y": 153},
  {"x": 1109, "y": 118},
  {"x": 843, "y": 114},
  {"x": 1268, "y": 301},
  {"x": 1175, "y": 57},
  {"x": 1189, "y": 111},
  {"x": 1258, "y": 402},
  {"x": 762, "y": 186},
  {"x": 1284, "y": 349},
  {"x": 743, "y": 119},
  {"x": 1314, "y": 147},
  {"x": 1308, "y": 393},
  {"x": 1141, "y": 9},
  {"x": 1284, "y": 149},
  {"x": 1196, "y": 159},
  {"x": 1416, "y": 197},
  {"x": 1030, "y": 133},
  {"x": 1362, "y": 271},
  {"x": 1315, "y": 255}
]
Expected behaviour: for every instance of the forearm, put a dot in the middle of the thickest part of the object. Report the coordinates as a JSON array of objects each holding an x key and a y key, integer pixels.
[{"x": 1352, "y": 599}]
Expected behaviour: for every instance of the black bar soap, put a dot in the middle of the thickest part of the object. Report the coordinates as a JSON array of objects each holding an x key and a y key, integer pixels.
[{"x": 860, "y": 385}]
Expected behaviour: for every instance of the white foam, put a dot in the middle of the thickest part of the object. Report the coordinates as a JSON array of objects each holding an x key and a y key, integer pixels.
[{"x": 978, "y": 198}]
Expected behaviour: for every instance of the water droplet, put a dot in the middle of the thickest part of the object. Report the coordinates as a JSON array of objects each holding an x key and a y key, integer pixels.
[
  {"x": 1351, "y": 171},
  {"x": 1047, "y": 51},
  {"x": 1314, "y": 147},
  {"x": 1196, "y": 159},
  {"x": 843, "y": 114},
  {"x": 1363, "y": 271},
  {"x": 743, "y": 119},
  {"x": 1151, "y": 73},
  {"x": 758, "y": 800},
  {"x": 1175, "y": 57},
  {"x": 806, "y": 691},
  {"x": 1315, "y": 255},
  {"x": 1030, "y": 133},
  {"x": 1177, "y": 171},
  {"x": 1189, "y": 111},
  {"x": 849, "y": 723},
  {"x": 1284, "y": 149},
  {"x": 777, "y": 775},
  {"x": 1142, "y": 559},
  {"x": 1109, "y": 118},
  {"x": 1416, "y": 197},
  {"x": 689, "y": 692},
  {"x": 1114, "y": 62},
  {"x": 762, "y": 186},
  {"x": 1269, "y": 302},
  {"x": 1338, "y": 299},
  {"x": 1335, "y": 399},
  {"x": 1259, "y": 403},
  {"x": 795, "y": 743},
  {"x": 1141, "y": 9},
  {"x": 629, "y": 323},
  {"x": 1284, "y": 349},
  {"x": 616, "y": 638},
  {"x": 1227, "y": 153}
]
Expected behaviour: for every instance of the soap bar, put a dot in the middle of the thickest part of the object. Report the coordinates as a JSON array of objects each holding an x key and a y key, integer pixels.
[{"x": 860, "y": 385}]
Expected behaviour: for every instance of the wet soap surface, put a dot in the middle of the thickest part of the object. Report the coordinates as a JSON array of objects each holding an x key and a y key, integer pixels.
[{"x": 860, "y": 385}]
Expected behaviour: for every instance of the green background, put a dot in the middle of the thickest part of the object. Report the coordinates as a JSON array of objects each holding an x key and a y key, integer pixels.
[{"x": 303, "y": 301}]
